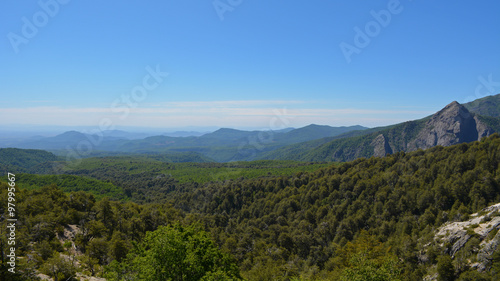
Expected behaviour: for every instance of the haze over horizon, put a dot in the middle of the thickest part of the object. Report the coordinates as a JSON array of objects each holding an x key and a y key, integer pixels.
[{"x": 254, "y": 64}]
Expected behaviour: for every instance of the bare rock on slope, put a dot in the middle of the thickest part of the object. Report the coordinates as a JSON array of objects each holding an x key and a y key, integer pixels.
[
  {"x": 480, "y": 225},
  {"x": 453, "y": 124},
  {"x": 381, "y": 146}
]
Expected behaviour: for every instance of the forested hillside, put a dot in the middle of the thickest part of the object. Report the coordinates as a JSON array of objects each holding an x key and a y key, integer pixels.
[
  {"x": 307, "y": 220},
  {"x": 453, "y": 124},
  {"x": 487, "y": 106},
  {"x": 23, "y": 160},
  {"x": 373, "y": 217}
]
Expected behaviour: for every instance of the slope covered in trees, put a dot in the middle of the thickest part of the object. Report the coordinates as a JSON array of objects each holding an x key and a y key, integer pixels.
[
  {"x": 453, "y": 124},
  {"x": 487, "y": 106},
  {"x": 69, "y": 183},
  {"x": 307, "y": 219},
  {"x": 370, "y": 218},
  {"x": 23, "y": 160}
]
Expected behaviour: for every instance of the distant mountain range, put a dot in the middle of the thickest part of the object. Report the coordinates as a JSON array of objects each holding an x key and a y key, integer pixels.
[
  {"x": 185, "y": 134},
  {"x": 222, "y": 145},
  {"x": 455, "y": 123}
]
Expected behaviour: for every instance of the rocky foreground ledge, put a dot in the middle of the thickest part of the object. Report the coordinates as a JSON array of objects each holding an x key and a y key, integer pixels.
[{"x": 483, "y": 225}]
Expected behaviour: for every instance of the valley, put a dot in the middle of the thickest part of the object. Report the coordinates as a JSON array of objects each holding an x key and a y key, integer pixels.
[
  {"x": 233, "y": 140},
  {"x": 369, "y": 202}
]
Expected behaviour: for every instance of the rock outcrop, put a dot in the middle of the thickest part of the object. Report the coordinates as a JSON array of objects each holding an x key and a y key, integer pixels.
[
  {"x": 453, "y": 124},
  {"x": 480, "y": 225},
  {"x": 381, "y": 146},
  {"x": 482, "y": 129}
]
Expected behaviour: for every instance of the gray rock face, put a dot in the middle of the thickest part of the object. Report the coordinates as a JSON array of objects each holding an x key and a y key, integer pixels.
[
  {"x": 381, "y": 146},
  {"x": 456, "y": 234},
  {"x": 484, "y": 254},
  {"x": 481, "y": 224},
  {"x": 482, "y": 129},
  {"x": 454, "y": 124}
]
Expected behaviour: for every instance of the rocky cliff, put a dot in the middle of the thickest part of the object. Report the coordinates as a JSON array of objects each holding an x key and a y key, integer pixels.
[
  {"x": 381, "y": 146},
  {"x": 453, "y": 124},
  {"x": 484, "y": 226}
]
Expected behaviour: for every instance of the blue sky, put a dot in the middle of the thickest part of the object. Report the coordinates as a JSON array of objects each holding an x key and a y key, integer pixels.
[{"x": 241, "y": 63}]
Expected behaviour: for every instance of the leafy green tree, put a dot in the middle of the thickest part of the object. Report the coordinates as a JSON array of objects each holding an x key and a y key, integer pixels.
[
  {"x": 182, "y": 253},
  {"x": 473, "y": 275},
  {"x": 446, "y": 271},
  {"x": 365, "y": 269},
  {"x": 89, "y": 263},
  {"x": 98, "y": 249},
  {"x": 119, "y": 246},
  {"x": 59, "y": 268},
  {"x": 369, "y": 260},
  {"x": 44, "y": 250}
]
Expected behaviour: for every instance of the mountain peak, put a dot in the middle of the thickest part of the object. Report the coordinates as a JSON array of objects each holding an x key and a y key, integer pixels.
[
  {"x": 451, "y": 125},
  {"x": 453, "y": 103},
  {"x": 70, "y": 134},
  {"x": 453, "y": 110},
  {"x": 453, "y": 107}
]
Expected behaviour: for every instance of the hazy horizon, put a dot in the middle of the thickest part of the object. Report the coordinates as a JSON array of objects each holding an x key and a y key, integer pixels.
[
  {"x": 253, "y": 65},
  {"x": 49, "y": 131}
]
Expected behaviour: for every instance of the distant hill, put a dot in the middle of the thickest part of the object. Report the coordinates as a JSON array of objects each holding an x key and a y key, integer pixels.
[
  {"x": 228, "y": 144},
  {"x": 185, "y": 134},
  {"x": 71, "y": 139},
  {"x": 313, "y": 131},
  {"x": 453, "y": 124},
  {"x": 222, "y": 145},
  {"x": 119, "y": 134},
  {"x": 225, "y": 136}
]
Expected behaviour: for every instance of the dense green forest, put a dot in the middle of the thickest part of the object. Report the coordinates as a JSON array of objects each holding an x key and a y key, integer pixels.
[
  {"x": 23, "y": 160},
  {"x": 106, "y": 167},
  {"x": 369, "y": 219},
  {"x": 69, "y": 183}
]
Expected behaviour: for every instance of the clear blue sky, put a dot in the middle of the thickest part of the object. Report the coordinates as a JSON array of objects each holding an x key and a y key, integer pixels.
[{"x": 248, "y": 66}]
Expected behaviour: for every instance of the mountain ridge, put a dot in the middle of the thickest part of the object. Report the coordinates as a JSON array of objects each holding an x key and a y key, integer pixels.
[
  {"x": 486, "y": 106},
  {"x": 222, "y": 145},
  {"x": 453, "y": 124}
]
